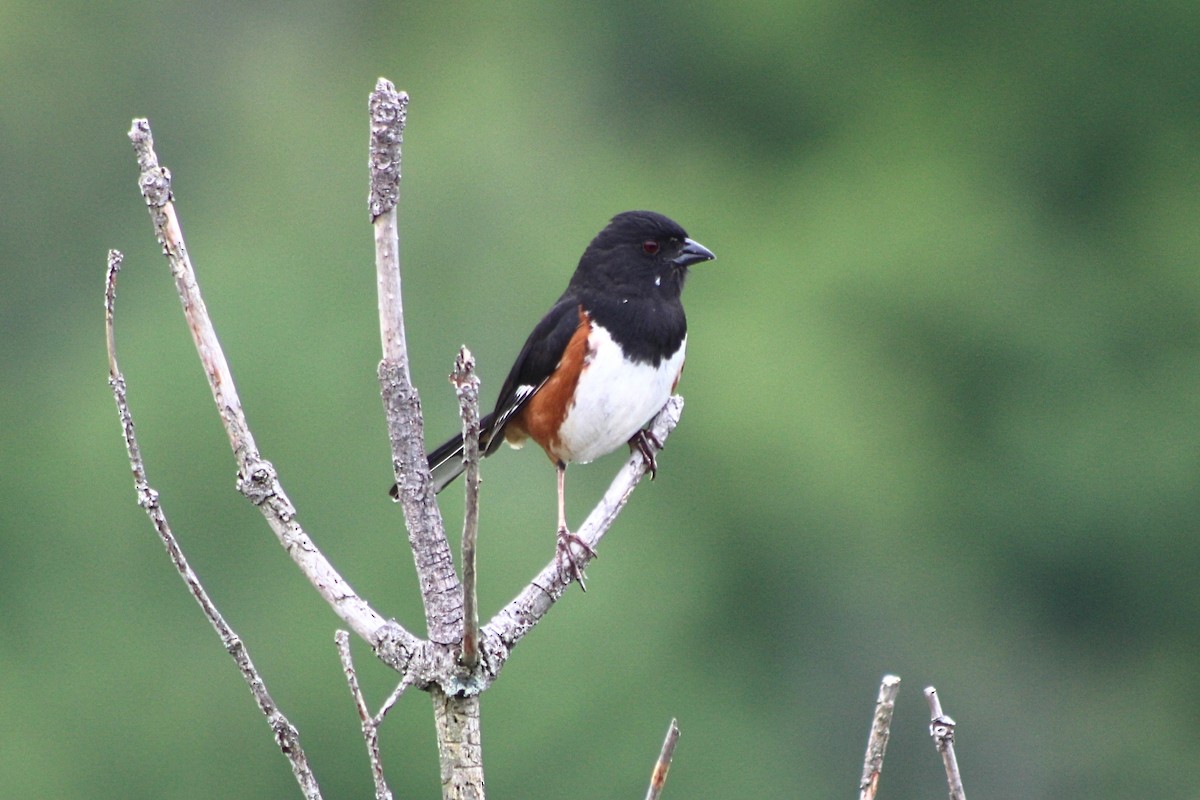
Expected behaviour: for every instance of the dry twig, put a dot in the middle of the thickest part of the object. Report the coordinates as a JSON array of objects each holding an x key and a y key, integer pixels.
[
  {"x": 941, "y": 728},
  {"x": 286, "y": 735},
  {"x": 256, "y": 476},
  {"x": 466, "y": 386},
  {"x": 370, "y": 723},
  {"x": 877, "y": 742},
  {"x": 659, "y": 776},
  {"x": 456, "y": 716},
  {"x": 440, "y": 591}
]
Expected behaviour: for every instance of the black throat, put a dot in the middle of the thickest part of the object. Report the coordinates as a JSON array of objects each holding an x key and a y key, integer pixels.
[{"x": 648, "y": 329}]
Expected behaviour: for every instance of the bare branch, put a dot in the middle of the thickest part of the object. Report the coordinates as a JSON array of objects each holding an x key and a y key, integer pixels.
[
  {"x": 525, "y": 610},
  {"x": 941, "y": 728},
  {"x": 286, "y": 735},
  {"x": 389, "y": 114},
  {"x": 456, "y": 717},
  {"x": 256, "y": 476},
  {"x": 440, "y": 590},
  {"x": 877, "y": 742},
  {"x": 466, "y": 386},
  {"x": 370, "y": 725},
  {"x": 659, "y": 776}
]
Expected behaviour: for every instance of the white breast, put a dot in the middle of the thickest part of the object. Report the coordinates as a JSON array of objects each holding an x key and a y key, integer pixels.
[{"x": 614, "y": 399}]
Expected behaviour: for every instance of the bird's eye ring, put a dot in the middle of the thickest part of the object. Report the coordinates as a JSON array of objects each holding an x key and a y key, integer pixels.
[{"x": 650, "y": 247}]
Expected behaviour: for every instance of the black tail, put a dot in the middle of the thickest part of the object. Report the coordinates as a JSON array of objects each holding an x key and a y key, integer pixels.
[{"x": 446, "y": 462}]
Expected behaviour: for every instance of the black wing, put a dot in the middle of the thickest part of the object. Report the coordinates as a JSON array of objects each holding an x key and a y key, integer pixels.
[{"x": 534, "y": 364}]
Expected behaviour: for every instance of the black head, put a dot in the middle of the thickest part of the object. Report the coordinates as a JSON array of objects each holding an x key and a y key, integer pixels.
[{"x": 639, "y": 252}]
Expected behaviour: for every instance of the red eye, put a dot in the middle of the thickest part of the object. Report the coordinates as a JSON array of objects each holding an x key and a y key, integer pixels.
[{"x": 650, "y": 247}]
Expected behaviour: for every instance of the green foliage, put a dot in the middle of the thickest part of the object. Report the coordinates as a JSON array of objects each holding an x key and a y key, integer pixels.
[{"x": 942, "y": 392}]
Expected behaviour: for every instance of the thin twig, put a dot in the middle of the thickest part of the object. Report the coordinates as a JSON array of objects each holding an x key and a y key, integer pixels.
[
  {"x": 941, "y": 728},
  {"x": 466, "y": 386},
  {"x": 394, "y": 697},
  {"x": 257, "y": 479},
  {"x": 370, "y": 726},
  {"x": 659, "y": 776},
  {"x": 524, "y": 611},
  {"x": 286, "y": 735},
  {"x": 877, "y": 742}
]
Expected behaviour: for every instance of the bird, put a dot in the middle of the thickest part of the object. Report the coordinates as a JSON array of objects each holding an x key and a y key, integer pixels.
[{"x": 600, "y": 364}]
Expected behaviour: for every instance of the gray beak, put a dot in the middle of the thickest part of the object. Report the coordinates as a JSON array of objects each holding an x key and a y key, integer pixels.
[{"x": 692, "y": 253}]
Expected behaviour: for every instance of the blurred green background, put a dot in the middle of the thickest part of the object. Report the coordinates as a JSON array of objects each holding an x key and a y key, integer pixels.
[{"x": 942, "y": 392}]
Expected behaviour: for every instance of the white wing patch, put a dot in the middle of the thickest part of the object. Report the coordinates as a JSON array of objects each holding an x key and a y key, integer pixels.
[{"x": 519, "y": 396}]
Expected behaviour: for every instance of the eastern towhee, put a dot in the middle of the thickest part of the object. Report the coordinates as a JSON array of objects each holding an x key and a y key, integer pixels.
[{"x": 601, "y": 364}]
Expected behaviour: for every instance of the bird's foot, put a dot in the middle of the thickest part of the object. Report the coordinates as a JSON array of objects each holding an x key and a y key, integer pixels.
[
  {"x": 647, "y": 444},
  {"x": 569, "y": 567}
]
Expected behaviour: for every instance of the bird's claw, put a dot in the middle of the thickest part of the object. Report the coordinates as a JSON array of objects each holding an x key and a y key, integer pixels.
[
  {"x": 647, "y": 444},
  {"x": 569, "y": 567}
]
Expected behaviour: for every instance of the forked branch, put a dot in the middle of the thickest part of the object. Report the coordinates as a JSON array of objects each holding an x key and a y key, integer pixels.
[
  {"x": 440, "y": 590},
  {"x": 450, "y": 606}
]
